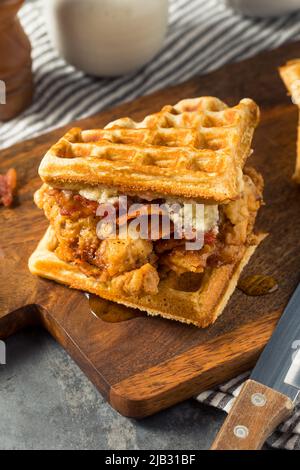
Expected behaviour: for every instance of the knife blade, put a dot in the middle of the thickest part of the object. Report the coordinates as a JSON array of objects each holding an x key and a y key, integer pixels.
[
  {"x": 270, "y": 394},
  {"x": 278, "y": 357}
]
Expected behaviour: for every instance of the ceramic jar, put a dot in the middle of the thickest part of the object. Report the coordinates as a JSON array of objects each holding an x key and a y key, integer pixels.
[{"x": 107, "y": 37}]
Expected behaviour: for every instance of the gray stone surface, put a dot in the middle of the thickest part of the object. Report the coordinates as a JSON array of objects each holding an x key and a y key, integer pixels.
[{"x": 46, "y": 402}]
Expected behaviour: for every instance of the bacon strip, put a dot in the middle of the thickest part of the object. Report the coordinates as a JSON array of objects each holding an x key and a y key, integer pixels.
[
  {"x": 210, "y": 237},
  {"x": 159, "y": 224},
  {"x": 144, "y": 210},
  {"x": 157, "y": 228},
  {"x": 72, "y": 204},
  {"x": 8, "y": 184}
]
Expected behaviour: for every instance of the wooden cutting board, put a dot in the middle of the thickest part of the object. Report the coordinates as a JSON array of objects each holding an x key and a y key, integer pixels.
[{"x": 147, "y": 364}]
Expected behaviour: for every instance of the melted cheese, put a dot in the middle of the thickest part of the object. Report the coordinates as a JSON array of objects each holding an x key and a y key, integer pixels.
[
  {"x": 189, "y": 211},
  {"x": 101, "y": 195}
]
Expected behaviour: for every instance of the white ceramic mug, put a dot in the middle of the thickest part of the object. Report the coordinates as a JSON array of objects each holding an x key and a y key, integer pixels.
[
  {"x": 107, "y": 37},
  {"x": 264, "y": 8}
]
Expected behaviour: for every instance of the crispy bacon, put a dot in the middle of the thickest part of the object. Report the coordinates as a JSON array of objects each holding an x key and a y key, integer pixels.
[
  {"x": 8, "y": 183},
  {"x": 91, "y": 205},
  {"x": 210, "y": 237},
  {"x": 73, "y": 204}
]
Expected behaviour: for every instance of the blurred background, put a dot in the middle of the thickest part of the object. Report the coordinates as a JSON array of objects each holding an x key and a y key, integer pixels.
[{"x": 150, "y": 45}]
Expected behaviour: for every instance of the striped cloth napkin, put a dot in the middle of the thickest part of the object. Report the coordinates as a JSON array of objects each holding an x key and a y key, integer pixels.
[{"x": 203, "y": 35}]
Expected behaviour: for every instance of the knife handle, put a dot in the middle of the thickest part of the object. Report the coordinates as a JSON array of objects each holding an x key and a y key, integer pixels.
[{"x": 256, "y": 413}]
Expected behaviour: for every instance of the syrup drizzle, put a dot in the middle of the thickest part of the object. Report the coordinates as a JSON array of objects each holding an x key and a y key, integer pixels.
[{"x": 111, "y": 312}]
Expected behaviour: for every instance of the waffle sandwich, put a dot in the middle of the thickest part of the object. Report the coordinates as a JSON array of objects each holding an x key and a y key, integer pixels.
[
  {"x": 193, "y": 154},
  {"x": 290, "y": 74}
]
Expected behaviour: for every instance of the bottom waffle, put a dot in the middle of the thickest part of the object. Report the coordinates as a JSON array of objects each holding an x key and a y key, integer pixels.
[{"x": 197, "y": 300}]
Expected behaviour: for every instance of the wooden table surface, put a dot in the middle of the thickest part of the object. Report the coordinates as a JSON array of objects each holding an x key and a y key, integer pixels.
[{"x": 147, "y": 364}]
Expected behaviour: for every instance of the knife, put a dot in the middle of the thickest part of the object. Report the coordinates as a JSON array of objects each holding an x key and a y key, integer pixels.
[{"x": 269, "y": 396}]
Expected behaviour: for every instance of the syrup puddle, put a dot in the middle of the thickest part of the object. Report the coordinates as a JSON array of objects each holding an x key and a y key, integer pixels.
[
  {"x": 111, "y": 312},
  {"x": 257, "y": 284}
]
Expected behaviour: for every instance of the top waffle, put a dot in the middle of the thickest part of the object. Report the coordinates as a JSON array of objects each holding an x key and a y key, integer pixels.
[{"x": 196, "y": 149}]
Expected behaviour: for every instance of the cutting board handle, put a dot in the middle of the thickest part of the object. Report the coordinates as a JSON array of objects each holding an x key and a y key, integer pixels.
[{"x": 256, "y": 413}]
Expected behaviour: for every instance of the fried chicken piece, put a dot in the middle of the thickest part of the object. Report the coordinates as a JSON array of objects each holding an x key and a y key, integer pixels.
[
  {"x": 235, "y": 231},
  {"x": 242, "y": 212},
  {"x": 75, "y": 231},
  {"x": 118, "y": 255},
  {"x": 75, "y": 224},
  {"x": 139, "y": 281},
  {"x": 161, "y": 246},
  {"x": 181, "y": 260}
]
